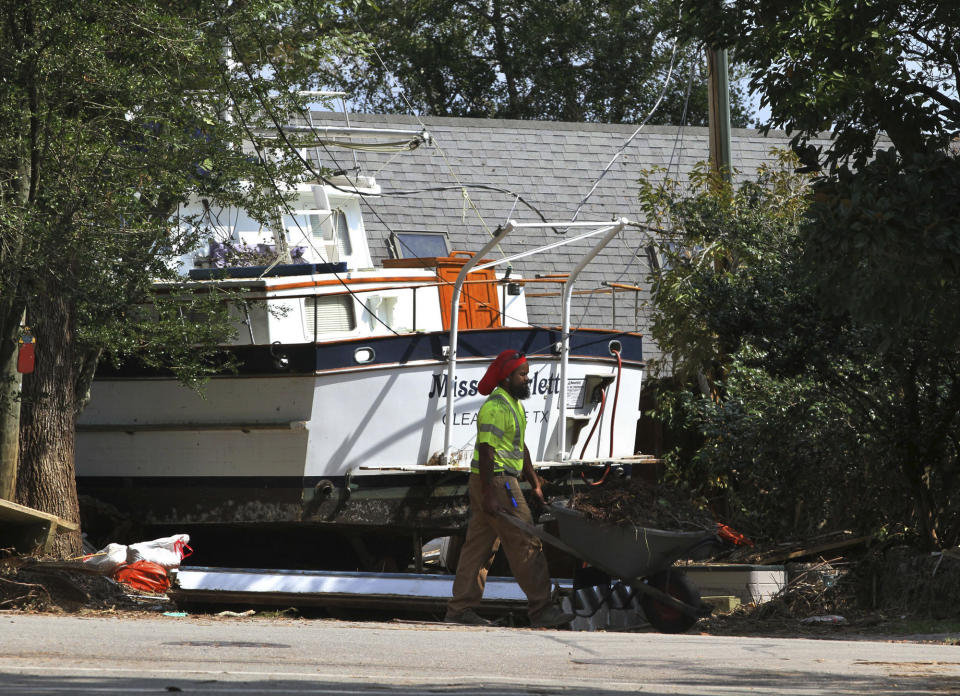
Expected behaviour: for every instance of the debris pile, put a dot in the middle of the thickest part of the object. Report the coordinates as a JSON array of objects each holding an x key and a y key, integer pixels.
[
  {"x": 902, "y": 580},
  {"x": 116, "y": 577},
  {"x": 633, "y": 501},
  {"x": 143, "y": 566},
  {"x": 38, "y": 584},
  {"x": 817, "y": 596}
]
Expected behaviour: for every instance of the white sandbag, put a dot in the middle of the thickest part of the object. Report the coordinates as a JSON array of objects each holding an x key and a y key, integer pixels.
[
  {"x": 107, "y": 559},
  {"x": 166, "y": 552}
]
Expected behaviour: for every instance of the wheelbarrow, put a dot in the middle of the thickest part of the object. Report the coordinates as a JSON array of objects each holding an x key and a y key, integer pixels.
[{"x": 640, "y": 557}]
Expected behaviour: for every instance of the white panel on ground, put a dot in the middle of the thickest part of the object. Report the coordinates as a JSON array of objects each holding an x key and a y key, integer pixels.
[{"x": 320, "y": 583}]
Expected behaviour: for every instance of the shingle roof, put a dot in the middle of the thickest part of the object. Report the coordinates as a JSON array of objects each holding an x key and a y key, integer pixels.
[{"x": 552, "y": 166}]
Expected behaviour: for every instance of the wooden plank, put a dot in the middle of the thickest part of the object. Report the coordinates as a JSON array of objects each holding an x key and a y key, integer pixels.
[
  {"x": 28, "y": 530},
  {"x": 780, "y": 557},
  {"x": 12, "y": 512}
]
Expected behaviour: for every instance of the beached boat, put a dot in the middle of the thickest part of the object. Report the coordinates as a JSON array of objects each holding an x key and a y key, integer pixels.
[{"x": 351, "y": 416}]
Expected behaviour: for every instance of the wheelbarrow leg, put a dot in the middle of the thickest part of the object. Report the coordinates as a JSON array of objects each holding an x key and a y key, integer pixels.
[{"x": 670, "y": 601}]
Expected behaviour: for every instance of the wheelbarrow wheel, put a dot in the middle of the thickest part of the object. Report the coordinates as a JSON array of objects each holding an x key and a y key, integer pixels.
[{"x": 663, "y": 617}]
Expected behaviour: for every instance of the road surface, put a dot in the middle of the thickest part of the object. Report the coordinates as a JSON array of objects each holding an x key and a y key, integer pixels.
[{"x": 49, "y": 654}]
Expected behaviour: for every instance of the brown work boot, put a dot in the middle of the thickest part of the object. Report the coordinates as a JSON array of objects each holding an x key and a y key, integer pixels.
[
  {"x": 467, "y": 617},
  {"x": 550, "y": 617}
]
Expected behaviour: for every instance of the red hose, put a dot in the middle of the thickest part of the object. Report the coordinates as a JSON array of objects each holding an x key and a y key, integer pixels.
[
  {"x": 613, "y": 420},
  {"x": 616, "y": 395},
  {"x": 603, "y": 403}
]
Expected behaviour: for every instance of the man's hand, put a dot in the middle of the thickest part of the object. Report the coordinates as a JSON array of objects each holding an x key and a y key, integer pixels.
[
  {"x": 491, "y": 505},
  {"x": 488, "y": 495}
]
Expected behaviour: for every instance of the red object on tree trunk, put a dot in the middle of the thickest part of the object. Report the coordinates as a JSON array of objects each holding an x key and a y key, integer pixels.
[{"x": 26, "y": 357}]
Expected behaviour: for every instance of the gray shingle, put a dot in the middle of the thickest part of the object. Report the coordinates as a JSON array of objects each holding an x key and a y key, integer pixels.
[{"x": 551, "y": 165}]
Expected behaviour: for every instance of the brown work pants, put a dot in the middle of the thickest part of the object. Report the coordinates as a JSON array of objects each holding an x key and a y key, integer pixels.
[{"x": 484, "y": 534}]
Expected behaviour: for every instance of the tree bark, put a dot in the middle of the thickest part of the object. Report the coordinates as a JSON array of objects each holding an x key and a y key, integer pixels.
[{"x": 46, "y": 479}]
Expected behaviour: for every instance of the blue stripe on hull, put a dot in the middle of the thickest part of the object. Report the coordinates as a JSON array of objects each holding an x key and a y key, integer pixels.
[{"x": 305, "y": 358}]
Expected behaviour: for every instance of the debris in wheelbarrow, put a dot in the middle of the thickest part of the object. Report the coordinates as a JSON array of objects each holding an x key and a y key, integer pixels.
[
  {"x": 641, "y": 558},
  {"x": 633, "y": 501}
]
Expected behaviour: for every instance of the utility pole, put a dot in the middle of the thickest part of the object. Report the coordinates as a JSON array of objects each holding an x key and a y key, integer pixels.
[
  {"x": 10, "y": 381},
  {"x": 10, "y": 428},
  {"x": 718, "y": 95}
]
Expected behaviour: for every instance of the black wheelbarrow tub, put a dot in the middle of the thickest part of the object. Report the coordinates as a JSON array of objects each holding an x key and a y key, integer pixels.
[{"x": 628, "y": 552}]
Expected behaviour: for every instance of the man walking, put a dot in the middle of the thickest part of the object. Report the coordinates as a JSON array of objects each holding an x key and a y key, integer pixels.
[{"x": 500, "y": 460}]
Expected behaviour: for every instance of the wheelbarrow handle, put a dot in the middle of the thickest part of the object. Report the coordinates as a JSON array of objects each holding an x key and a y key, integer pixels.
[
  {"x": 554, "y": 541},
  {"x": 537, "y": 532}
]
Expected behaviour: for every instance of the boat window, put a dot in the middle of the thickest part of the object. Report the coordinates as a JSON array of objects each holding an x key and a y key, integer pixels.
[
  {"x": 329, "y": 314},
  {"x": 341, "y": 233},
  {"x": 301, "y": 223},
  {"x": 315, "y": 222},
  {"x": 418, "y": 245}
]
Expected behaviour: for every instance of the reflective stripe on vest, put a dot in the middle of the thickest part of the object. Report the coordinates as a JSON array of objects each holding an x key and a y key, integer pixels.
[{"x": 503, "y": 457}]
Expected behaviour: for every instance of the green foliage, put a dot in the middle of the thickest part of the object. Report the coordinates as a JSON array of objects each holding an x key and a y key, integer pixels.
[
  {"x": 897, "y": 263},
  {"x": 859, "y": 69},
  {"x": 111, "y": 115},
  {"x": 578, "y": 60},
  {"x": 857, "y": 310},
  {"x": 806, "y": 425},
  {"x": 719, "y": 239}
]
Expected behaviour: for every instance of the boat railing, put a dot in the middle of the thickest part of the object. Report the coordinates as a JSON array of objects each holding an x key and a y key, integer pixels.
[{"x": 609, "y": 231}]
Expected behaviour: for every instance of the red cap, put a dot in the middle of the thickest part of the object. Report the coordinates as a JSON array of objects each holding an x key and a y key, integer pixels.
[{"x": 501, "y": 368}]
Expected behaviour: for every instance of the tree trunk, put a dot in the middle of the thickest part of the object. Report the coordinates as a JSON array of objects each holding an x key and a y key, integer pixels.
[
  {"x": 46, "y": 479},
  {"x": 501, "y": 50}
]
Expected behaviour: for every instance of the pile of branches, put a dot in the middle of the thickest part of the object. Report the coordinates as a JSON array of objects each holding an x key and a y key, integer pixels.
[
  {"x": 633, "y": 501},
  {"x": 34, "y": 584},
  {"x": 818, "y": 595},
  {"x": 816, "y": 590}
]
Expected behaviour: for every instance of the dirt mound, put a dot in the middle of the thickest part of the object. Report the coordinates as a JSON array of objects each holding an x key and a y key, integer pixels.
[{"x": 633, "y": 501}]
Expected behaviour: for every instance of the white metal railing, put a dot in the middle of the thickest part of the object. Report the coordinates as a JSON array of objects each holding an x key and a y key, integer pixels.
[
  {"x": 454, "y": 325},
  {"x": 610, "y": 230}
]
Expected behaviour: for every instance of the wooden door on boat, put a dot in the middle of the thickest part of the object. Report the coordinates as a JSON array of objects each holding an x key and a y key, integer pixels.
[{"x": 479, "y": 302}]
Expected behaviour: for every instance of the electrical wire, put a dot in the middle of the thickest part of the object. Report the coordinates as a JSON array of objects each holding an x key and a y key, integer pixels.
[
  {"x": 443, "y": 154},
  {"x": 355, "y": 191},
  {"x": 616, "y": 397},
  {"x": 363, "y": 196},
  {"x": 653, "y": 110},
  {"x": 260, "y": 155},
  {"x": 678, "y": 140},
  {"x": 666, "y": 84}
]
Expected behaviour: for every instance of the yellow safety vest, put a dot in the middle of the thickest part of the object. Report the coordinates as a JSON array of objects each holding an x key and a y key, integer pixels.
[{"x": 501, "y": 424}]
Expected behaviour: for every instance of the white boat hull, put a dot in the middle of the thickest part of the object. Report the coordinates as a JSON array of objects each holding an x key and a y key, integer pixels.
[{"x": 307, "y": 446}]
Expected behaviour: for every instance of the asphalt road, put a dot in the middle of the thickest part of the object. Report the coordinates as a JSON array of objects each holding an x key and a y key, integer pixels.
[{"x": 46, "y": 654}]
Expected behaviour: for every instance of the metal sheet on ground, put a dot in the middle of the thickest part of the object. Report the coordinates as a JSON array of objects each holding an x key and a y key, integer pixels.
[{"x": 227, "y": 585}]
